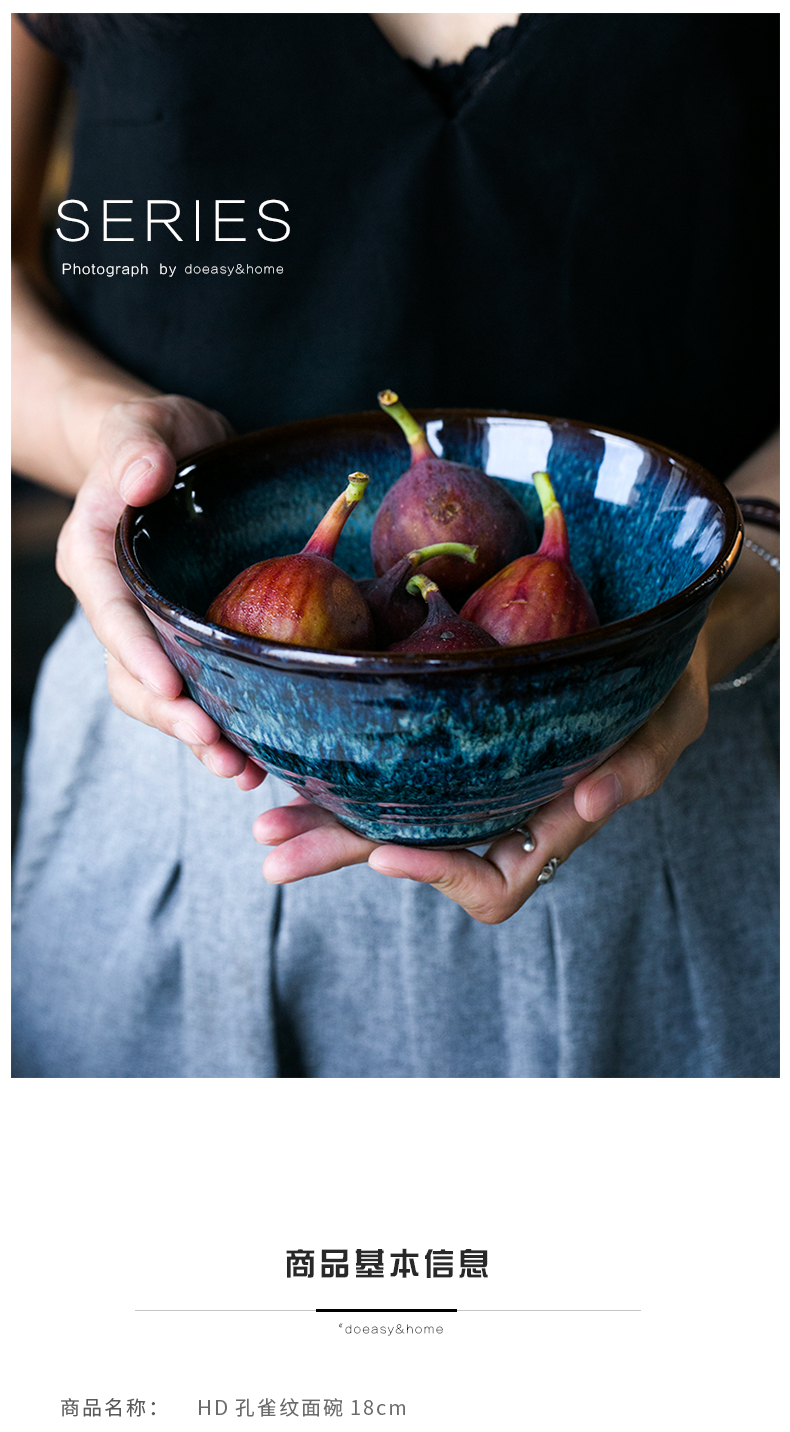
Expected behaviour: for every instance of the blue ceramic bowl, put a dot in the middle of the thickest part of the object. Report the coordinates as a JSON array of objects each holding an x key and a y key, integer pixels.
[{"x": 453, "y": 749}]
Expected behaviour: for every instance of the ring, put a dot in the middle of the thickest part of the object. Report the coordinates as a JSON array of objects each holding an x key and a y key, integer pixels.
[
  {"x": 549, "y": 871},
  {"x": 529, "y": 843}
]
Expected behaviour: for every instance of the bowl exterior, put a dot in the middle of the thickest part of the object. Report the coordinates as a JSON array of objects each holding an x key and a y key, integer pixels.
[{"x": 418, "y": 759}]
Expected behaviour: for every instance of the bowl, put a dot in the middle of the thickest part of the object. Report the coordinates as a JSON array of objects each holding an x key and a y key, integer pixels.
[{"x": 446, "y": 750}]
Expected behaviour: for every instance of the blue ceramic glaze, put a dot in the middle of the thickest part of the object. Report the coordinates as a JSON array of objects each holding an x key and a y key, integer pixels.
[{"x": 452, "y": 749}]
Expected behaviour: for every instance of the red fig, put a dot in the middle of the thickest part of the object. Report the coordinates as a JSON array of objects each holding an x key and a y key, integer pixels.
[
  {"x": 538, "y": 597},
  {"x": 436, "y": 500},
  {"x": 305, "y": 598},
  {"x": 442, "y": 629},
  {"x": 396, "y": 613}
]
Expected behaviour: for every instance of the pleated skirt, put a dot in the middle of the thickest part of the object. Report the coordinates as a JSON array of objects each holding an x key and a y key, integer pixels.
[{"x": 148, "y": 945}]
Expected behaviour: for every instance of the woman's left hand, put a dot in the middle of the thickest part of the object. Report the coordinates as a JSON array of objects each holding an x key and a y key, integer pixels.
[{"x": 743, "y": 616}]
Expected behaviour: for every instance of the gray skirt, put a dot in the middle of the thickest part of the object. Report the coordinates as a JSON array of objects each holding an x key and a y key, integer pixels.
[{"x": 148, "y": 945}]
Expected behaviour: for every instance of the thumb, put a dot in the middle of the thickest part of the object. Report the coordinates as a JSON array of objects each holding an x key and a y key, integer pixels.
[
  {"x": 135, "y": 456},
  {"x": 142, "y": 443},
  {"x": 143, "y": 470}
]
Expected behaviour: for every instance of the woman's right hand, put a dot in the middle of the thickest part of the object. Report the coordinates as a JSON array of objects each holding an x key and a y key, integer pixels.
[{"x": 140, "y": 445}]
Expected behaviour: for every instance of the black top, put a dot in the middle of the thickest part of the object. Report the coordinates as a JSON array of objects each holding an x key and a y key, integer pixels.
[{"x": 581, "y": 224}]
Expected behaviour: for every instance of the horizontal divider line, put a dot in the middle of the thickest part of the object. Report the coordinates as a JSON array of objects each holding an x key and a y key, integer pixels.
[{"x": 388, "y": 1310}]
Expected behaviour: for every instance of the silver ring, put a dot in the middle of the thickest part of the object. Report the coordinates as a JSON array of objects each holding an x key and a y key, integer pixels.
[
  {"x": 549, "y": 871},
  {"x": 529, "y": 843}
]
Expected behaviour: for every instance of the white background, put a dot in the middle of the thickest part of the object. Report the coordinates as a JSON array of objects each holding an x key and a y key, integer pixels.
[
  {"x": 665, "y": 1196},
  {"x": 590, "y": 1196}
]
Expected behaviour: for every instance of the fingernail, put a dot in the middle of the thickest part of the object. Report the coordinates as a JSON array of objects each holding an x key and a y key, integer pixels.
[
  {"x": 132, "y": 476},
  {"x": 184, "y": 732},
  {"x": 605, "y": 798}
]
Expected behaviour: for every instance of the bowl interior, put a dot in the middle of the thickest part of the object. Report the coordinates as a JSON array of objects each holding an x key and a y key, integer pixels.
[{"x": 643, "y": 523}]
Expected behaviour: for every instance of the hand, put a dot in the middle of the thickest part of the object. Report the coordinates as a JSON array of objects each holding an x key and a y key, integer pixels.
[
  {"x": 491, "y": 888},
  {"x": 140, "y": 444}
]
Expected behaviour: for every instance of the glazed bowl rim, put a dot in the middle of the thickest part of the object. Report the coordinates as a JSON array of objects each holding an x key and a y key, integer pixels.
[{"x": 613, "y": 638}]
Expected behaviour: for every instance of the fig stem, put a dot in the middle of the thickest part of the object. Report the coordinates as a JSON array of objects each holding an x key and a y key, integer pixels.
[
  {"x": 414, "y": 434},
  {"x": 420, "y": 586},
  {"x": 357, "y": 482},
  {"x": 442, "y": 549},
  {"x": 555, "y": 533},
  {"x": 325, "y": 538}
]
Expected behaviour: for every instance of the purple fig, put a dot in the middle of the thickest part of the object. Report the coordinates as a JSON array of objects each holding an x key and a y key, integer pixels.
[
  {"x": 443, "y": 630},
  {"x": 436, "y": 500},
  {"x": 396, "y": 613},
  {"x": 538, "y": 597},
  {"x": 305, "y": 599}
]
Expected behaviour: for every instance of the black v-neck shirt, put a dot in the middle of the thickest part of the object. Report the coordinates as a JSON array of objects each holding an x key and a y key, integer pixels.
[
  {"x": 453, "y": 83},
  {"x": 585, "y": 227}
]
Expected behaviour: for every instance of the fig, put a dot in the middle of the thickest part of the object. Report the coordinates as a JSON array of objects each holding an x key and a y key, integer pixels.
[
  {"x": 396, "y": 613},
  {"x": 437, "y": 500},
  {"x": 305, "y": 598},
  {"x": 443, "y": 630},
  {"x": 538, "y": 597}
]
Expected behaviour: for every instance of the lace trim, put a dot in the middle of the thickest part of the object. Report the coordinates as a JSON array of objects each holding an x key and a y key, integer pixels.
[{"x": 455, "y": 82}]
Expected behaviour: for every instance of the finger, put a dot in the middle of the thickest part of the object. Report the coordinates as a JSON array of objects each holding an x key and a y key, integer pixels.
[
  {"x": 86, "y": 562},
  {"x": 493, "y": 887},
  {"x": 188, "y": 723},
  {"x": 283, "y": 823},
  {"x": 180, "y": 718},
  {"x": 472, "y": 881},
  {"x": 642, "y": 765},
  {"x": 326, "y": 846}
]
